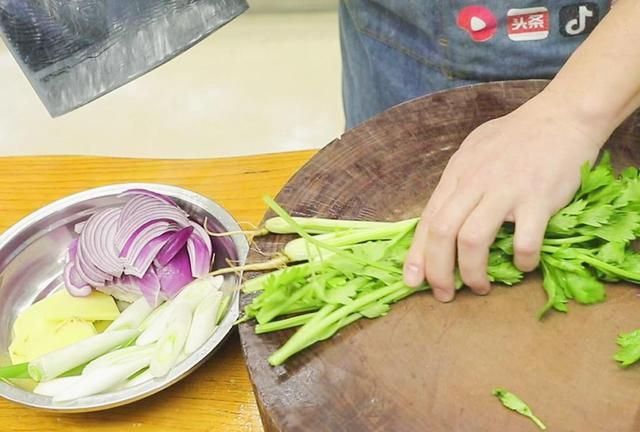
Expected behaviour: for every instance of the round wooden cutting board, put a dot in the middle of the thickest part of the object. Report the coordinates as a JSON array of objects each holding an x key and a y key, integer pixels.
[{"x": 429, "y": 366}]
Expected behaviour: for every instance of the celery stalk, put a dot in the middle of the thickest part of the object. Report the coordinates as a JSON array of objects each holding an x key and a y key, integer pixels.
[
  {"x": 282, "y": 324},
  {"x": 298, "y": 249},
  {"x": 311, "y": 330},
  {"x": 314, "y": 225},
  {"x": 312, "y": 241}
]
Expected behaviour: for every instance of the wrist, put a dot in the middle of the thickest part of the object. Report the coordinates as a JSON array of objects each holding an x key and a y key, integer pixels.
[{"x": 594, "y": 118}]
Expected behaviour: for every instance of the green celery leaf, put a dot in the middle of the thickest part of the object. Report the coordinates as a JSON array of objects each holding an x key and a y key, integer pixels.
[
  {"x": 375, "y": 310},
  {"x": 371, "y": 251},
  {"x": 556, "y": 298},
  {"x": 629, "y": 351},
  {"x": 629, "y": 173},
  {"x": 631, "y": 262},
  {"x": 605, "y": 195},
  {"x": 630, "y": 193},
  {"x": 504, "y": 244},
  {"x": 596, "y": 216},
  {"x": 585, "y": 288},
  {"x": 505, "y": 272},
  {"x": 596, "y": 178},
  {"x": 612, "y": 252},
  {"x": 506, "y": 230},
  {"x": 514, "y": 403},
  {"x": 380, "y": 275},
  {"x": 621, "y": 228},
  {"x": 631, "y": 338},
  {"x": 341, "y": 295},
  {"x": 564, "y": 260},
  {"x": 565, "y": 220}
]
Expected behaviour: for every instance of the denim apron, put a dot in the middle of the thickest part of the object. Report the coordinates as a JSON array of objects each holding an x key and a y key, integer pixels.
[{"x": 395, "y": 50}]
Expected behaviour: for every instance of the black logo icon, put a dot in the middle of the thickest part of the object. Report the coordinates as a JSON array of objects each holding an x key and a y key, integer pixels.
[{"x": 579, "y": 19}]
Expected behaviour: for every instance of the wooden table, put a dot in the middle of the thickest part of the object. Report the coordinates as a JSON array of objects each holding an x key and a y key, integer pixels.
[{"x": 218, "y": 396}]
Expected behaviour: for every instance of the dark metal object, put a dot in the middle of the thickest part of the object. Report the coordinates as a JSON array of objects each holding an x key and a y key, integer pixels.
[{"x": 74, "y": 51}]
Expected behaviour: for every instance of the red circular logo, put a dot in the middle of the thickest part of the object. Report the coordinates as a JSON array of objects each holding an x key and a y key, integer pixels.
[{"x": 479, "y": 22}]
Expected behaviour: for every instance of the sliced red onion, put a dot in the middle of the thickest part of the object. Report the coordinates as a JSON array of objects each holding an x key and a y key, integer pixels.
[
  {"x": 202, "y": 234},
  {"x": 199, "y": 249},
  {"x": 97, "y": 241},
  {"x": 147, "y": 254},
  {"x": 199, "y": 257},
  {"x": 73, "y": 249},
  {"x": 175, "y": 244},
  {"x": 87, "y": 271},
  {"x": 131, "y": 207},
  {"x": 145, "y": 192},
  {"x": 175, "y": 275},
  {"x": 148, "y": 246},
  {"x": 132, "y": 265},
  {"x": 79, "y": 227},
  {"x": 74, "y": 283},
  {"x": 150, "y": 229},
  {"x": 149, "y": 285},
  {"x": 151, "y": 210},
  {"x": 122, "y": 289}
]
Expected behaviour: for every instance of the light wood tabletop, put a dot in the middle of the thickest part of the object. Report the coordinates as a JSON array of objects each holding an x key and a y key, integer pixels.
[{"x": 216, "y": 397}]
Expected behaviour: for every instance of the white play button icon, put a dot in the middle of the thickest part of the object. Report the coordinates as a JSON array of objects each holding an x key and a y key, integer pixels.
[{"x": 477, "y": 24}]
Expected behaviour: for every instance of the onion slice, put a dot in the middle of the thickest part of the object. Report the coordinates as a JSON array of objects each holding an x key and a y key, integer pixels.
[
  {"x": 146, "y": 247},
  {"x": 175, "y": 275}
]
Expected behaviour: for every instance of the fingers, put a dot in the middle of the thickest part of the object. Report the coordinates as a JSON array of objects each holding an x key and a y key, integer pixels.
[
  {"x": 440, "y": 249},
  {"x": 531, "y": 223},
  {"x": 414, "y": 269},
  {"x": 475, "y": 238}
]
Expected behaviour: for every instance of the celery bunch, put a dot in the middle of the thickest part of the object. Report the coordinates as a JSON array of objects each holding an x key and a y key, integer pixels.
[
  {"x": 345, "y": 270},
  {"x": 340, "y": 281}
]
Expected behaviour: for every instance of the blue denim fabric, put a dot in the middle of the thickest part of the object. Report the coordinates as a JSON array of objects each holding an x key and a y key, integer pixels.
[{"x": 395, "y": 50}]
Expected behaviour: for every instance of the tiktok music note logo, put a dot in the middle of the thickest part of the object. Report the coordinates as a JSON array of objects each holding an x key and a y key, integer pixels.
[{"x": 579, "y": 19}]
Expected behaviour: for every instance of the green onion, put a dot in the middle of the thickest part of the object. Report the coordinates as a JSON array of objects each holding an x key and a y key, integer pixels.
[
  {"x": 19, "y": 370},
  {"x": 100, "y": 380},
  {"x": 57, "y": 362},
  {"x": 204, "y": 321},
  {"x": 133, "y": 316},
  {"x": 56, "y": 385},
  {"x": 173, "y": 339}
]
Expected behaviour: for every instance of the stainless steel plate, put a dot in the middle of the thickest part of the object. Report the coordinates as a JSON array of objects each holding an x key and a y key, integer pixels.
[{"x": 32, "y": 255}]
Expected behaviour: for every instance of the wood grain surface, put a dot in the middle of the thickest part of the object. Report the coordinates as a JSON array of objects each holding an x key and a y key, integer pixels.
[
  {"x": 216, "y": 397},
  {"x": 429, "y": 366}
]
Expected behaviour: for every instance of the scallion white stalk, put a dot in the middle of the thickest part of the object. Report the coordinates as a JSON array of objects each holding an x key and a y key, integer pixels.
[
  {"x": 154, "y": 326},
  {"x": 120, "y": 356},
  {"x": 55, "y": 386},
  {"x": 172, "y": 341},
  {"x": 133, "y": 316},
  {"x": 141, "y": 378},
  {"x": 204, "y": 321},
  {"x": 101, "y": 379},
  {"x": 55, "y": 363}
]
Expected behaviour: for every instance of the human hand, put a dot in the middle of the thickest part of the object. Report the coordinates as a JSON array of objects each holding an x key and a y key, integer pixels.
[{"x": 520, "y": 168}]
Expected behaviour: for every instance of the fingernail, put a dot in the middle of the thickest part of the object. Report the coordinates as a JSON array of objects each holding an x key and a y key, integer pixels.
[
  {"x": 412, "y": 275},
  {"x": 484, "y": 290},
  {"x": 443, "y": 295}
]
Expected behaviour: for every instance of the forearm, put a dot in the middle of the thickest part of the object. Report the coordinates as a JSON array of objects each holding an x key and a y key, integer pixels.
[{"x": 600, "y": 82}]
